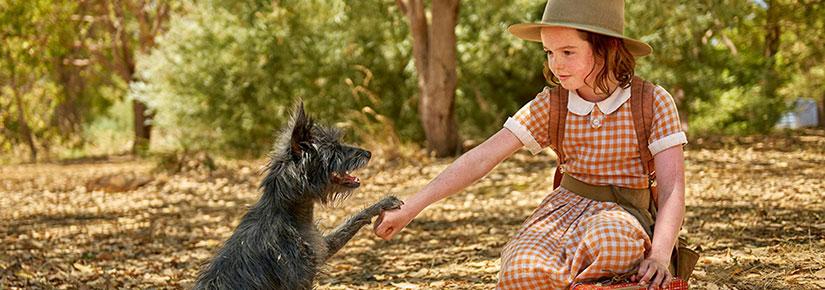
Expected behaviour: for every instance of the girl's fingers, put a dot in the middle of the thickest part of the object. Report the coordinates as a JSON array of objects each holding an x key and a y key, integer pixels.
[
  {"x": 651, "y": 270},
  {"x": 642, "y": 270},
  {"x": 667, "y": 280},
  {"x": 378, "y": 222},
  {"x": 388, "y": 233},
  {"x": 381, "y": 229},
  {"x": 657, "y": 280}
]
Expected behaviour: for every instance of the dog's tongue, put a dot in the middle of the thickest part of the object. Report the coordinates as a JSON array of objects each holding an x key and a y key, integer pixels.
[
  {"x": 347, "y": 180},
  {"x": 352, "y": 180}
]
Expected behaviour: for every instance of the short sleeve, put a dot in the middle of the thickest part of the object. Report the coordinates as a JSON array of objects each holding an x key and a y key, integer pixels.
[
  {"x": 666, "y": 130},
  {"x": 530, "y": 123}
]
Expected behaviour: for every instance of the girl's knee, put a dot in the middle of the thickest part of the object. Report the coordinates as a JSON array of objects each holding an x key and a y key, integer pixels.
[
  {"x": 620, "y": 239},
  {"x": 524, "y": 270},
  {"x": 522, "y": 276},
  {"x": 616, "y": 241}
]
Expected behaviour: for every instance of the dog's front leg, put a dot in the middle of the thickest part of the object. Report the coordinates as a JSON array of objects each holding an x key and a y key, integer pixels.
[{"x": 343, "y": 233}]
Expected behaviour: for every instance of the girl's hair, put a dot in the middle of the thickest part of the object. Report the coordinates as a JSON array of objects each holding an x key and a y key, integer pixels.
[{"x": 609, "y": 51}]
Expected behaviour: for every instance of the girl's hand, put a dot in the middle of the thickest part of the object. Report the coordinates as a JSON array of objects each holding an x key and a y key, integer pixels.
[
  {"x": 653, "y": 271},
  {"x": 391, "y": 222}
]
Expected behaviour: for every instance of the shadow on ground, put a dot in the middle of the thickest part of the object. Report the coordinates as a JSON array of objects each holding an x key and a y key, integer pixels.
[{"x": 753, "y": 203}]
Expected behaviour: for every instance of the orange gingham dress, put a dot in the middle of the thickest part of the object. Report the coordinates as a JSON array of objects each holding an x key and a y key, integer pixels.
[{"x": 569, "y": 238}]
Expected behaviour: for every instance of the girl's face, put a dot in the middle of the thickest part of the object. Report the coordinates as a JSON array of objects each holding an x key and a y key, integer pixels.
[{"x": 570, "y": 58}]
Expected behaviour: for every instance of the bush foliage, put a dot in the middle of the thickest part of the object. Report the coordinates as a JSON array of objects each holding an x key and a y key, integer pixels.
[{"x": 225, "y": 75}]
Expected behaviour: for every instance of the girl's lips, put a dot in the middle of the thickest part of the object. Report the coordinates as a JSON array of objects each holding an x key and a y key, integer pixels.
[{"x": 564, "y": 77}]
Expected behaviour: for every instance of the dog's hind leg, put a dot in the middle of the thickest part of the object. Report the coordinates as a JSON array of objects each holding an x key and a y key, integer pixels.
[{"x": 343, "y": 233}]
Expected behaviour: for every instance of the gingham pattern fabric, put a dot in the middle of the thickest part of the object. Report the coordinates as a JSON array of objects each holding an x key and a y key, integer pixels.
[
  {"x": 570, "y": 238},
  {"x": 608, "y": 154}
]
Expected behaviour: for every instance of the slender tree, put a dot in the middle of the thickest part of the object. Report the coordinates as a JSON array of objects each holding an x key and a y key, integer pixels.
[
  {"x": 151, "y": 16},
  {"x": 434, "y": 54},
  {"x": 27, "y": 98},
  {"x": 773, "y": 33}
]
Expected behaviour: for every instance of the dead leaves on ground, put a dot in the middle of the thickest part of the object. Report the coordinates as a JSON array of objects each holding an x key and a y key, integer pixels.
[{"x": 754, "y": 203}]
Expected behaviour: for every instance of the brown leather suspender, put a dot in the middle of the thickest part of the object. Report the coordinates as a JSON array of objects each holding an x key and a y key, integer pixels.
[
  {"x": 642, "y": 110},
  {"x": 558, "y": 115}
]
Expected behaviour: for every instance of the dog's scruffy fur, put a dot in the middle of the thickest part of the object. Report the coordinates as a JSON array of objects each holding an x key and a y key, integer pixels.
[{"x": 277, "y": 244}]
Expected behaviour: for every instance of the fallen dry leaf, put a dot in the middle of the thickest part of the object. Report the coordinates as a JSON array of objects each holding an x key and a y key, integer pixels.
[{"x": 754, "y": 204}]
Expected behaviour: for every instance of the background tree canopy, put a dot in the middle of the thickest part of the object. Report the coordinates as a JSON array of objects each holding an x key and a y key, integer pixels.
[{"x": 224, "y": 75}]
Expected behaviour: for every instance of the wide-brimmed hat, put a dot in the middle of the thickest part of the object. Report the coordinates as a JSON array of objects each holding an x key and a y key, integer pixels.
[{"x": 598, "y": 16}]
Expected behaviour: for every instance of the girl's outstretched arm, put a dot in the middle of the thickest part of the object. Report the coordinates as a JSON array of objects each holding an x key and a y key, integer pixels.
[
  {"x": 670, "y": 177},
  {"x": 465, "y": 170}
]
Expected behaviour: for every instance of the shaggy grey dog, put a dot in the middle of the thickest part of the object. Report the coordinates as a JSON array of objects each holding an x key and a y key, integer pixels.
[{"x": 277, "y": 244}]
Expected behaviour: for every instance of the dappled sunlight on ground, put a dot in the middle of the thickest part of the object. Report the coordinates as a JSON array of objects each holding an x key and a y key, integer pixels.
[{"x": 754, "y": 204}]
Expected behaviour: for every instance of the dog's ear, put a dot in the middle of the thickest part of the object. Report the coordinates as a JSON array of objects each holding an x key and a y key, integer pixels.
[{"x": 301, "y": 131}]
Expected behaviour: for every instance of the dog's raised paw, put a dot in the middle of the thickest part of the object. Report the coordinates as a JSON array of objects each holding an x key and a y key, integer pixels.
[{"x": 390, "y": 202}]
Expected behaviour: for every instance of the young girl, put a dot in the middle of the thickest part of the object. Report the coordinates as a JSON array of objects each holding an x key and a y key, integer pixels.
[{"x": 570, "y": 238}]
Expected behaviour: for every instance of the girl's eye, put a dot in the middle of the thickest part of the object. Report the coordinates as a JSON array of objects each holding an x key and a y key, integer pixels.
[{"x": 565, "y": 52}]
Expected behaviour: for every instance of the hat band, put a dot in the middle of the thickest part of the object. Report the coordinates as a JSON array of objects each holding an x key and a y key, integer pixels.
[{"x": 587, "y": 27}]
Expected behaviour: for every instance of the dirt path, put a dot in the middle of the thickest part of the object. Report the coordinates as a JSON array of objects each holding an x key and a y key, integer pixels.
[{"x": 755, "y": 204}]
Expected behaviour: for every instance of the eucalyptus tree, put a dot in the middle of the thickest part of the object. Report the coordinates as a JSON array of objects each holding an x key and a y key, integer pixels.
[
  {"x": 30, "y": 45},
  {"x": 730, "y": 64}
]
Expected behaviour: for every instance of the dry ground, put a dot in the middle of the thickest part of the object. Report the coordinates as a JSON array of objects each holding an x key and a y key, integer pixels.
[{"x": 754, "y": 203}]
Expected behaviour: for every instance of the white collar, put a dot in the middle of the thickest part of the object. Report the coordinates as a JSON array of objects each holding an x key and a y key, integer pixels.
[{"x": 582, "y": 107}]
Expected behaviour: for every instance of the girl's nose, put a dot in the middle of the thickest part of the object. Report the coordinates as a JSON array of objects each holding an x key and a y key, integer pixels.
[{"x": 555, "y": 63}]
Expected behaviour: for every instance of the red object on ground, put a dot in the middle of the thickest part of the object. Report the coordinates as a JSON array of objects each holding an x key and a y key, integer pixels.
[{"x": 676, "y": 284}]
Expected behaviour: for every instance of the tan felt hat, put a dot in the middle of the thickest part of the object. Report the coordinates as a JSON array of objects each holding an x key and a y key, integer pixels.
[{"x": 598, "y": 16}]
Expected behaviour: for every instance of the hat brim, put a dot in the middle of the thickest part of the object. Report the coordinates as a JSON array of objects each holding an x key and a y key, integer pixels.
[{"x": 532, "y": 32}]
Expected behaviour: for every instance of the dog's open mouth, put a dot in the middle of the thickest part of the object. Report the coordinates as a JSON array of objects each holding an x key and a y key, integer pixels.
[{"x": 345, "y": 179}]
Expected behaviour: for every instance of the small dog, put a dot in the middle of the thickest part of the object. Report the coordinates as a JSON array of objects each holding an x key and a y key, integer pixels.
[{"x": 277, "y": 245}]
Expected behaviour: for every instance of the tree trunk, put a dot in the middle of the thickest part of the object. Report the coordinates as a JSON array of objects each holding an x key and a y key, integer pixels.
[
  {"x": 773, "y": 32},
  {"x": 143, "y": 127},
  {"x": 148, "y": 29},
  {"x": 822, "y": 113},
  {"x": 25, "y": 130},
  {"x": 141, "y": 116},
  {"x": 68, "y": 117},
  {"x": 434, "y": 54}
]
